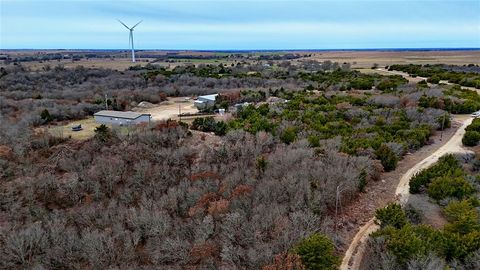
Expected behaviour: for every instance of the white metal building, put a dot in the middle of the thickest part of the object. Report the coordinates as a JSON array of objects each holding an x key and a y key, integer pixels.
[
  {"x": 121, "y": 118},
  {"x": 204, "y": 102}
]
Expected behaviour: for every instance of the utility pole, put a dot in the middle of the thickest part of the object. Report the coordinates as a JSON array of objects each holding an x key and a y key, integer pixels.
[
  {"x": 106, "y": 102},
  {"x": 337, "y": 202},
  {"x": 443, "y": 123},
  {"x": 180, "y": 112}
]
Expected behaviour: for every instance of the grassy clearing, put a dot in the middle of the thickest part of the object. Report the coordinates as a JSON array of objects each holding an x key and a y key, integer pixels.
[
  {"x": 373, "y": 71},
  {"x": 88, "y": 126}
]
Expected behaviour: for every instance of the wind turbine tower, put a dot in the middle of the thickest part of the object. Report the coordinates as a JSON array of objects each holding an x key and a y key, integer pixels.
[{"x": 130, "y": 41}]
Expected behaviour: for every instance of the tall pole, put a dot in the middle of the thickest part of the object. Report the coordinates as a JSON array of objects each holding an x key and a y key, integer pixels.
[
  {"x": 337, "y": 201},
  {"x": 443, "y": 123},
  {"x": 106, "y": 102},
  {"x": 133, "y": 50},
  {"x": 180, "y": 112}
]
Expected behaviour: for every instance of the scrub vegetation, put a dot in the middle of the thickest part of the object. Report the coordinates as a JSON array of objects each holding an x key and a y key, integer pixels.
[
  {"x": 403, "y": 243},
  {"x": 467, "y": 75},
  {"x": 256, "y": 190},
  {"x": 472, "y": 133}
]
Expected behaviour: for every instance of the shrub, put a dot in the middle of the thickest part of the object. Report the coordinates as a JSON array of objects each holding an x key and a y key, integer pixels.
[
  {"x": 261, "y": 163},
  {"x": 317, "y": 252},
  {"x": 45, "y": 115},
  {"x": 362, "y": 180},
  {"x": 411, "y": 241},
  {"x": 387, "y": 157},
  {"x": 313, "y": 141},
  {"x": 391, "y": 215},
  {"x": 220, "y": 128},
  {"x": 471, "y": 138},
  {"x": 208, "y": 124},
  {"x": 444, "y": 121},
  {"x": 422, "y": 84},
  {"x": 102, "y": 133},
  {"x": 434, "y": 79},
  {"x": 288, "y": 135},
  {"x": 474, "y": 126},
  {"x": 205, "y": 124},
  {"x": 446, "y": 166},
  {"x": 447, "y": 186},
  {"x": 462, "y": 216}
]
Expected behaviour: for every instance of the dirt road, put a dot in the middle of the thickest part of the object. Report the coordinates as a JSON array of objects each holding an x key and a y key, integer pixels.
[
  {"x": 354, "y": 254},
  {"x": 170, "y": 109},
  {"x": 403, "y": 74},
  {"x": 418, "y": 79}
]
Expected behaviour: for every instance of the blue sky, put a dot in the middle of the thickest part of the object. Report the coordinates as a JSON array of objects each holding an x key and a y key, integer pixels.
[{"x": 249, "y": 24}]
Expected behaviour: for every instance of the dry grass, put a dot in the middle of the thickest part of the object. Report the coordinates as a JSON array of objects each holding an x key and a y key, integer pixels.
[
  {"x": 88, "y": 126},
  {"x": 116, "y": 64},
  {"x": 366, "y": 59},
  {"x": 373, "y": 71},
  {"x": 168, "y": 110},
  {"x": 358, "y": 59}
]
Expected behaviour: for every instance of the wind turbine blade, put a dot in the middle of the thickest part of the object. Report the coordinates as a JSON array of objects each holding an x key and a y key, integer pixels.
[
  {"x": 137, "y": 24},
  {"x": 123, "y": 24}
]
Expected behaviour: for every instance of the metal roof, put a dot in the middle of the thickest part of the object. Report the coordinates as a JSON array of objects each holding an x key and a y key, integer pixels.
[
  {"x": 119, "y": 114},
  {"x": 211, "y": 97}
]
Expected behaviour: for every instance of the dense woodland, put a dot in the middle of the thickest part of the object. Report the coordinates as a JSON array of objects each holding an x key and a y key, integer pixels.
[{"x": 256, "y": 191}]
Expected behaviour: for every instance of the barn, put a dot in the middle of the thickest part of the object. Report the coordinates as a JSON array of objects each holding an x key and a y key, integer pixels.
[
  {"x": 204, "y": 102},
  {"x": 121, "y": 118}
]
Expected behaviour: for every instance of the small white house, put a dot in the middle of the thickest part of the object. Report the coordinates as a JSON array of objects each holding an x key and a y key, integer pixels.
[
  {"x": 206, "y": 101},
  {"x": 121, "y": 118}
]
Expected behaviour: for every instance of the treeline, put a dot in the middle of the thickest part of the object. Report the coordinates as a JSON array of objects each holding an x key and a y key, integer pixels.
[
  {"x": 75, "y": 93},
  {"x": 348, "y": 80},
  {"x": 57, "y": 56},
  {"x": 366, "y": 126},
  {"x": 466, "y": 76},
  {"x": 454, "y": 100}
]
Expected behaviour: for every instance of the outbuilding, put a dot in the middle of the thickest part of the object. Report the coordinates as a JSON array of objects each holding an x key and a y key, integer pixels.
[
  {"x": 204, "y": 102},
  {"x": 121, "y": 118}
]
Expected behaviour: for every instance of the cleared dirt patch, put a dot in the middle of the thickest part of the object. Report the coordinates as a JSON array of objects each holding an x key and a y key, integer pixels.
[{"x": 169, "y": 109}]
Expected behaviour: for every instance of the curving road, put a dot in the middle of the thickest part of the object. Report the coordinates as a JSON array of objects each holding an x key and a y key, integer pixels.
[
  {"x": 418, "y": 79},
  {"x": 354, "y": 254}
]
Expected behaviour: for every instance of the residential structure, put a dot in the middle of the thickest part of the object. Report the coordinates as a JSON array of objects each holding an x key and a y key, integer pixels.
[{"x": 121, "y": 118}]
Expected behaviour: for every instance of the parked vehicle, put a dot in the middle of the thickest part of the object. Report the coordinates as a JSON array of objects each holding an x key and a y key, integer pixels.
[{"x": 77, "y": 128}]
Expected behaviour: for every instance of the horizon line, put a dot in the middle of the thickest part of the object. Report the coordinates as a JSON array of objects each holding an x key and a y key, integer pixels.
[{"x": 252, "y": 50}]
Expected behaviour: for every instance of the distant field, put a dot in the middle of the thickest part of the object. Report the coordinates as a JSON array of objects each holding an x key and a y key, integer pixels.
[
  {"x": 117, "y": 63},
  {"x": 365, "y": 59},
  {"x": 358, "y": 59}
]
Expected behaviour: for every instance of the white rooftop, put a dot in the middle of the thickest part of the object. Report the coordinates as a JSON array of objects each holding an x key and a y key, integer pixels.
[
  {"x": 119, "y": 114},
  {"x": 209, "y": 97}
]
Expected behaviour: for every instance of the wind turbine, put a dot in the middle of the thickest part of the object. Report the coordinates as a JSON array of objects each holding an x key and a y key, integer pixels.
[{"x": 130, "y": 40}]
